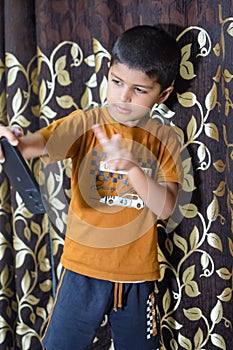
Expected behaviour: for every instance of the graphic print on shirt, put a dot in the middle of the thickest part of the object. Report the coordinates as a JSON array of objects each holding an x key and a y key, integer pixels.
[{"x": 113, "y": 186}]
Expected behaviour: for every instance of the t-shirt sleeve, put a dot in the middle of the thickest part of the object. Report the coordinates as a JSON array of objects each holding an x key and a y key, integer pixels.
[
  {"x": 63, "y": 137},
  {"x": 170, "y": 167}
]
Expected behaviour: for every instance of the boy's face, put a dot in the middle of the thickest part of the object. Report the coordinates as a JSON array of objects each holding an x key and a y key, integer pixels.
[{"x": 128, "y": 88}]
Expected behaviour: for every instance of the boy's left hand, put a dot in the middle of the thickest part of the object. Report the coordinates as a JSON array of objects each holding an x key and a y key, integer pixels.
[{"x": 118, "y": 157}]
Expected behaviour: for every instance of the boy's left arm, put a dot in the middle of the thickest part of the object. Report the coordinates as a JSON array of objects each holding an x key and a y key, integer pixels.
[{"x": 159, "y": 197}]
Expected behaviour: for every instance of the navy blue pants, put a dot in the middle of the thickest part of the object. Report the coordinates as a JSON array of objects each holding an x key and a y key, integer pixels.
[{"x": 81, "y": 304}]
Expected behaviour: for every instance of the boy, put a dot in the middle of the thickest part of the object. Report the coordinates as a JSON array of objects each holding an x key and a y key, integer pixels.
[{"x": 125, "y": 173}]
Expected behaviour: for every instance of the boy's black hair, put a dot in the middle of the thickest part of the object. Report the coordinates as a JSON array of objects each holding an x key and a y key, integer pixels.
[{"x": 151, "y": 50}]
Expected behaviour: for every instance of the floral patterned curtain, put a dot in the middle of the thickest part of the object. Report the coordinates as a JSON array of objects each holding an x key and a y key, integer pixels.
[{"x": 53, "y": 59}]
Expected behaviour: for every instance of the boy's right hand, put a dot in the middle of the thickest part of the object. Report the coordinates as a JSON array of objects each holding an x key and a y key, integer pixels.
[{"x": 11, "y": 133}]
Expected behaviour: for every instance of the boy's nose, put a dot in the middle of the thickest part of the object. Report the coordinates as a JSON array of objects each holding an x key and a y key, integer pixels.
[{"x": 126, "y": 96}]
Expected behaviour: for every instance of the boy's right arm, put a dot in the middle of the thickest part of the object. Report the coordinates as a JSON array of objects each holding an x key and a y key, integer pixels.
[{"x": 31, "y": 145}]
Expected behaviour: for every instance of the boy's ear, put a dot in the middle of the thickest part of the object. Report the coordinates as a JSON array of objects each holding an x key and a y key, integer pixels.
[{"x": 165, "y": 94}]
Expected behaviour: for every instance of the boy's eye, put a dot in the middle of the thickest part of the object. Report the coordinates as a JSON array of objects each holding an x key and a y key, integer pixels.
[
  {"x": 140, "y": 91},
  {"x": 116, "y": 81}
]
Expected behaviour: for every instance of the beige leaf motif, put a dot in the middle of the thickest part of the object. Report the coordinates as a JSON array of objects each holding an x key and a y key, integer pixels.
[
  {"x": 230, "y": 242},
  {"x": 230, "y": 29},
  {"x": 20, "y": 258},
  {"x": 217, "y": 50},
  {"x": 188, "y": 183},
  {"x": 213, "y": 210},
  {"x": 35, "y": 110},
  {"x": 191, "y": 289},
  {"x": 26, "y": 340},
  {"x": 227, "y": 76},
  {"x": 166, "y": 301},
  {"x": 76, "y": 54},
  {"x": 35, "y": 228},
  {"x": 65, "y": 101},
  {"x": 100, "y": 52},
  {"x": 90, "y": 60},
  {"x": 42, "y": 253},
  {"x": 45, "y": 265},
  {"x": 4, "y": 276},
  {"x": 188, "y": 274},
  {"x": 205, "y": 260},
  {"x": 214, "y": 241},
  {"x": 98, "y": 47},
  {"x": 202, "y": 38},
  {"x": 46, "y": 286},
  {"x": 40, "y": 311},
  {"x": 26, "y": 281},
  {"x": 162, "y": 271},
  {"x": 98, "y": 61},
  {"x": 51, "y": 184},
  {"x": 217, "y": 313},
  {"x": 22, "y": 121},
  {"x": 4, "y": 190},
  {"x": 31, "y": 299},
  {"x": 211, "y": 98},
  {"x": 191, "y": 128},
  {"x": 193, "y": 314},
  {"x": 219, "y": 166},
  {"x": 180, "y": 242},
  {"x": 218, "y": 341},
  {"x": 211, "y": 131},
  {"x": 187, "y": 99},
  {"x": 187, "y": 70},
  {"x": 103, "y": 90},
  {"x": 194, "y": 238},
  {"x": 173, "y": 345},
  {"x": 86, "y": 98},
  {"x": 186, "y": 66},
  {"x": 220, "y": 191},
  {"x": 201, "y": 152},
  {"x": 198, "y": 338},
  {"x": 48, "y": 112},
  {"x": 172, "y": 323},
  {"x": 60, "y": 64},
  {"x": 2, "y": 69},
  {"x": 189, "y": 210},
  {"x": 169, "y": 245},
  {"x": 63, "y": 78},
  {"x": 11, "y": 60},
  {"x": 17, "y": 101},
  {"x": 27, "y": 233},
  {"x": 12, "y": 74},
  {"x": 3, "y": 334},
  {"x": 226, "y": 295},
  {"x": 217, "y": 76},
  {"x": 224, "y": 273},
  {"x": 2, "y": 102},
  {"x": 92, "y": 82},
  {"x": 42, "y": 92},
  {"x": 184, "y": 342}
]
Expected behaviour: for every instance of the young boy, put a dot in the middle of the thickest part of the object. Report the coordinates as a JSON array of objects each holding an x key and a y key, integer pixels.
[{"x": 125, "y": 173}]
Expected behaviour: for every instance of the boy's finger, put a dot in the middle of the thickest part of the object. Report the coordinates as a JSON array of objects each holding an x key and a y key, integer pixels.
[
  {"x": 16, "y": 130},
  {"x": 9, "y": 134},
  {"x": 100, "y": 135}
]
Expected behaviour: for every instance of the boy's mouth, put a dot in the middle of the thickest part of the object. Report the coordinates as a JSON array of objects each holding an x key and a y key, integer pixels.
[
  {"x": 127, "y": 114},
  {"x": 123, "y": 109}
]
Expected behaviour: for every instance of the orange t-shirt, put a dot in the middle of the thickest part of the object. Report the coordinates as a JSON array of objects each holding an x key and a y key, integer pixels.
[{"x": 111, "y": 234}]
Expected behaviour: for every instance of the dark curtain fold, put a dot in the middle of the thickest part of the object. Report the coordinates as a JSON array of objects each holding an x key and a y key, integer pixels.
[{"x": 53, "y": 59}]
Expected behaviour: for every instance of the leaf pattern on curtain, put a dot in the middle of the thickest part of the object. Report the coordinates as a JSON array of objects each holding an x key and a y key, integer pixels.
[{"x": 195, "y": 289}]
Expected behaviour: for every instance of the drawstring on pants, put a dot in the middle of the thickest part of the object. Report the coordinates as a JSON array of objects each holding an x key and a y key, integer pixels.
[{"x": 118, "y": 291}]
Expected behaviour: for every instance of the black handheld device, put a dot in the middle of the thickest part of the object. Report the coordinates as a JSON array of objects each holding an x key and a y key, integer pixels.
[{"x": 21, "y": 177}]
